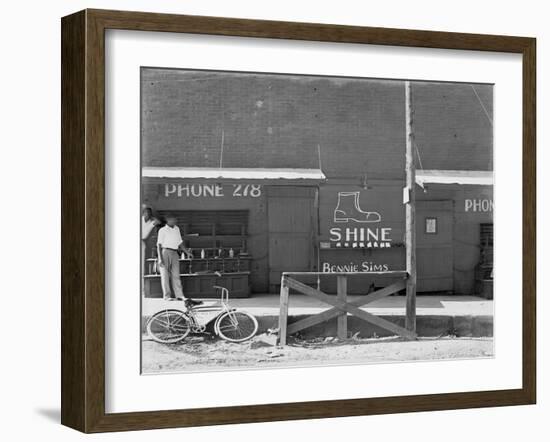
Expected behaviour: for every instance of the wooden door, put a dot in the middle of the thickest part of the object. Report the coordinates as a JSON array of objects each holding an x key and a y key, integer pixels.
[
  {"x": 434, "y": 246},
  {"x": 291, "y": 231}
]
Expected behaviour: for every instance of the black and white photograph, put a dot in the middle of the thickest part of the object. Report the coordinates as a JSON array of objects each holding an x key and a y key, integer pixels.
[
  {"x": 303, "y": 220},
  {"x": 268, "y": 222}
]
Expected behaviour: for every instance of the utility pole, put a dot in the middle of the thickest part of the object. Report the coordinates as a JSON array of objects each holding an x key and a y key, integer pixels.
[{"x": 410, "y": 221}]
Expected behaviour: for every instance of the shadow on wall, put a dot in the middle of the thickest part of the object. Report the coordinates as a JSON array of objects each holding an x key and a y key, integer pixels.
[{"x": 51, "y": 414}]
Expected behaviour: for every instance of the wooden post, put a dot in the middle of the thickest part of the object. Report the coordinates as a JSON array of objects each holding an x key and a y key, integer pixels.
[
  {"x": 342, "y": 295},
  {"x": 410, "y": 222},
  {"x": 283, "y": 312}
]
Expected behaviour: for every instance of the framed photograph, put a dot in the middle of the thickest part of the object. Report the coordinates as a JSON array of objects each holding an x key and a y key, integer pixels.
[{"x": 266, "y": 221}]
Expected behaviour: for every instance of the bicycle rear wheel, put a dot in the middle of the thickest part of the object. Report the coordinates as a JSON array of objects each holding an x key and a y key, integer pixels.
[
  {"x": 168, "y": 326},
  {"x": 236, "y": 326}
]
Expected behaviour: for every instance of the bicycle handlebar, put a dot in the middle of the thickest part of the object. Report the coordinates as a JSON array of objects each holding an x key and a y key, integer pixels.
[{"x": 224, "y": 291}]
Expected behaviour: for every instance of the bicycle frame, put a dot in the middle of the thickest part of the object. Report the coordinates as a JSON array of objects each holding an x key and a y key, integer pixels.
[{"x": 202, "y": 315}]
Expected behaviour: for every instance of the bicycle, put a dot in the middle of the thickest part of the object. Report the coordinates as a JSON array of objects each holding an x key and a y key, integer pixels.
[{"x": 170, "y": 326}]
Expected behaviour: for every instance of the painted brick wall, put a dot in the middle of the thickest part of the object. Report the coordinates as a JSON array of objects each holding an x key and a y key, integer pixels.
[
  {"x": 280, "y": 120},
  {"x": 451, "y": 128}
]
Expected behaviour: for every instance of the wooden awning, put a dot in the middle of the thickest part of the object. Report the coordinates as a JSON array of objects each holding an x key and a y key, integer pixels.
[
  {"x": 242, "y": 174},
  {"x": 460, "y": 177}
]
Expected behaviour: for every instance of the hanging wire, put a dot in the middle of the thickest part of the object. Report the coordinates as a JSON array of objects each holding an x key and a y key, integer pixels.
[
  {"x": 223, "y": 136},
  {"x": 482, "y": 105},
  {"x": 221, "y": 148},
  {"x": 418, "y": 154}
]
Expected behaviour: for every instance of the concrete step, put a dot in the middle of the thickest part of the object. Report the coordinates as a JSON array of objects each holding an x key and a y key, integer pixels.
[{"x": 426, "y": 326}]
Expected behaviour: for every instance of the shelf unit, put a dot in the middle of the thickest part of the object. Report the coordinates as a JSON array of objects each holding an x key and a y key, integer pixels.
[
  {"x": 201, "y": 285},
  {"x": 218, "y": 230},
  {"x": 484, "y": 270},
  {"x": 219, "y": 233},
  {"x": 195, "y": 266}
]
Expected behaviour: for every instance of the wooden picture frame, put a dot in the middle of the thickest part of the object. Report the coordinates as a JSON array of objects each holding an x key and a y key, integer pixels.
[{"x": 83, "y": 216}]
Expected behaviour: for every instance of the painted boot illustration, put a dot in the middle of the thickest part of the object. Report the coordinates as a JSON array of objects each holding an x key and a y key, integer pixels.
[{"x": 348, "y": 209}]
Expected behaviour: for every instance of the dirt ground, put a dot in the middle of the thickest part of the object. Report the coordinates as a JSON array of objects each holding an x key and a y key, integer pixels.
[{"x": 204, "y": 354}]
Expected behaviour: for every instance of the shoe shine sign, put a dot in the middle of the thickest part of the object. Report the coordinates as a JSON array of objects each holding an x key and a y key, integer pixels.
[{"x": 355, "y": 227}]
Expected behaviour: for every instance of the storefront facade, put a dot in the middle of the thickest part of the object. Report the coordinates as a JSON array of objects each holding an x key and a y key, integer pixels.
[
  {"x": 307, "y": 174},
  {"x": 253, "y": 230},
  {"x": 249, "y": 230}
]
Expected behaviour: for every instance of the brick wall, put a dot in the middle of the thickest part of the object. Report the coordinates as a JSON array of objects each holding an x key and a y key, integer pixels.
[
  {"x": 451, "y": 128},
  {"x": 279, "y": 120}
]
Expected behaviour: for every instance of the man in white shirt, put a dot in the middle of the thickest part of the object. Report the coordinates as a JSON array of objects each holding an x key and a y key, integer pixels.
[
  {"x": 148, "y": 223},
  {"x": 169, "y": 244}
]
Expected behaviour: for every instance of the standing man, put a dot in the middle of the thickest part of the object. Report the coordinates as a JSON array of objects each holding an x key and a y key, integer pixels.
[
  {"x": 169, "y": 244},
  {"x": 148, "y": 223}
]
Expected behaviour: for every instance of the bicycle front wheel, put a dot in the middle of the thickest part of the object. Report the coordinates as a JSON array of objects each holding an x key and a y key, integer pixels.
[
  {"x": 168, "y": 326},
  {"x": 236, "y": 326}
]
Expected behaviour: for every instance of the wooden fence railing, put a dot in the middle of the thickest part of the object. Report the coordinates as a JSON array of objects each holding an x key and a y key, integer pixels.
[{"x": 340, "y": 305}]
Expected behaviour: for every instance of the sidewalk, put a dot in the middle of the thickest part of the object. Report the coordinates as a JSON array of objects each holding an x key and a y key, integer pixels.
[{"x": 436, "y": 315}]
